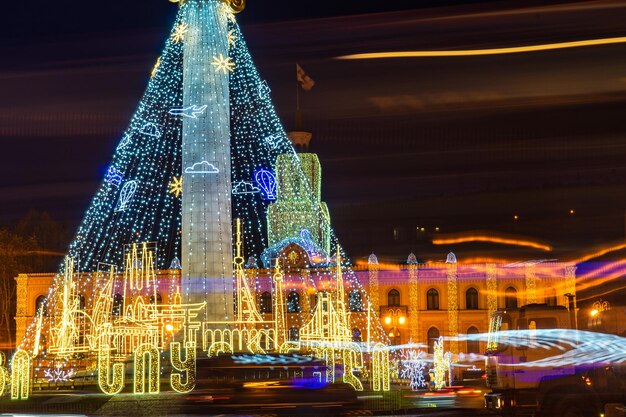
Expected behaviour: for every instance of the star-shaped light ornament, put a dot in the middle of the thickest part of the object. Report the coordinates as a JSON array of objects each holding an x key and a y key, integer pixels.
[
  {"x": 222, "y": 63},
  {"x": 228, "y": 11},
  {"x": 232, "y": 38},
  {"x": 176, "y": 186},
  {"x": 179, "y": 32}
]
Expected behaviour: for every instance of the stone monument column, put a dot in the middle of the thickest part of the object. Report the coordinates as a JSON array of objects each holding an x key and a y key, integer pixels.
[{"x": 207, "y": 248}]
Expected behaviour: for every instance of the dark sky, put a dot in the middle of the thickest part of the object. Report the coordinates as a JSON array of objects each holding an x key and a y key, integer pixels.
[{"x": 462, "y": 144}]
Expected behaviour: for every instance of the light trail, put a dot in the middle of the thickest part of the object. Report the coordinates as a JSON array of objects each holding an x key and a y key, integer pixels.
[
  {"x": 488, "y": 51},
  {"x": 570, "y": 347},
  {"x": 600, "y": 252},
  {"x": 491, "y": 239}
]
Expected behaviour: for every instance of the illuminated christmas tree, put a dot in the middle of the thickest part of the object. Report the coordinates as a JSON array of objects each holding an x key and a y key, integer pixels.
[{"x": 203, "y": 149}]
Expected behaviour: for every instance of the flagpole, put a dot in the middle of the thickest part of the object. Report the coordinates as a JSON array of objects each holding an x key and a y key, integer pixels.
[
  {"x": 298, "y": 115},
  {"x": 297, "y": 90}
]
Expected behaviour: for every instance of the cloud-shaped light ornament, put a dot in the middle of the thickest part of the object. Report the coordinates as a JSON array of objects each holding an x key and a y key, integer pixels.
[{"x": 203, "y": 167}]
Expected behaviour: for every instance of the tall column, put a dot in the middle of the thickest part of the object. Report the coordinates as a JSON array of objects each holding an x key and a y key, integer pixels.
[
  {"x": 453, "y": 307},
  {"x": 372, "y": 267},
  {"x": 207, "y": 258},
  {"x": 22, "y": 319},
  {"x": 531, "y": 284},
  {"x": 413, "y": 303},
  {"x": 492, "y": 290}
]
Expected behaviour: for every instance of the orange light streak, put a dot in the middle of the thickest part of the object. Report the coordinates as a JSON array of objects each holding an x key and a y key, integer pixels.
[
  {"x": 491, "y": 239},
  {"x": 488, "y": 51},
  {"x": 601, "y": 252}
]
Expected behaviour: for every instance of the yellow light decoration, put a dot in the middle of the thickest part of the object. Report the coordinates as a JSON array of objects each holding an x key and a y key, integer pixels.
[
  {"x": 232, "y": 38},
  {"x": 372, "y": 267},
  {"x": 188, "y": 366},
  {"x": 441, "y": 366},
  {"x": 224, "y": 64},
  {"x": 228, "y": 12},
  {"x": 492, "y": 289},
  {"x": 352, "y": 358},
  {"x": 219, "y": 347},
  {"x": 179, "y": 32},
  {"x": 104, "y": 370},
  {"x": 380, "y": 368},
  {"x": 176, "y": 186},
  {"x": 289, "y": 347},
  {"x": 66, "y": 305},
  {"x": 531, "y": 284},
  {"x": 236, "y": 6},
  {"x": 279, "y": 305},
  {"x": 413, "y": 304},
  {"x": 570, "y": 281},
  {"x": 157, "y": 64},
  {"x": 153, "y": 368},
  {"x": 20, "y": 375},
  {"x": 5, "y": 378},
  {"x": 38, "y": 327},
  {"x": 453, "y": 306},
  {"x": 328, "y": 354}
]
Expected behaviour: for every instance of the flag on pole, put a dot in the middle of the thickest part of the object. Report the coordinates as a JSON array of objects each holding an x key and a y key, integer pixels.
[{"x": 305, "y": 81}]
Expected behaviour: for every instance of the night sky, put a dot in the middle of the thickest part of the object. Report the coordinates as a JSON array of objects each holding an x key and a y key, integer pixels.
[{"x": 458, "y": 143}]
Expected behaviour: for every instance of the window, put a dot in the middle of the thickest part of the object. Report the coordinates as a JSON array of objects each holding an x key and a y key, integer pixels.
[
  {"x": 294, "y": 334},
  {"x": 432, "y": 300},
  {"x": 293, "y": 302},
  {"x": 118, "y": 305},
  {"x": 433, "y": 336},
  {"x": 40, "y": 306},
  {"x": 159, "y": 299},
  {"x": 473, "y": 345},
  {"x": 471, "y": 299},
  {"x": 393, "y": 298},
  {"x": 551, "y": 297},
  {"x": 323, "y": 297},
  {"x": 510, "y": 298},
  {"x": 266, "y": 303},
  {"x": 356, "y": 335},
  {"x": 394, "y": 336},
  {"x": 355, "y": 301}
]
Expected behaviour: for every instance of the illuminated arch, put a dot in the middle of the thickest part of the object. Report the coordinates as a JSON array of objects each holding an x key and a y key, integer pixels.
[{"x": 20, "y": 375}]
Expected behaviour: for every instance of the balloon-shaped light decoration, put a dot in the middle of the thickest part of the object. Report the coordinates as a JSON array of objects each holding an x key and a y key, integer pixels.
[
  {"x": 126, "y": 195},
  {"x": 267, "y": 183}
]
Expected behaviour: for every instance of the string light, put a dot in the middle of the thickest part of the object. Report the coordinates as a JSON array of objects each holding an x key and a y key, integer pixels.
[
  {"x": 20, "y": 375},
  {"x": 380, "y": 368},
  {"x": 5, "y": 378},
  {"x": 110, "y": 380},
  {"x": 188, "y": 366},
  {"x": 352, "y": 359},
  {"x": 147, "y": 359}
]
